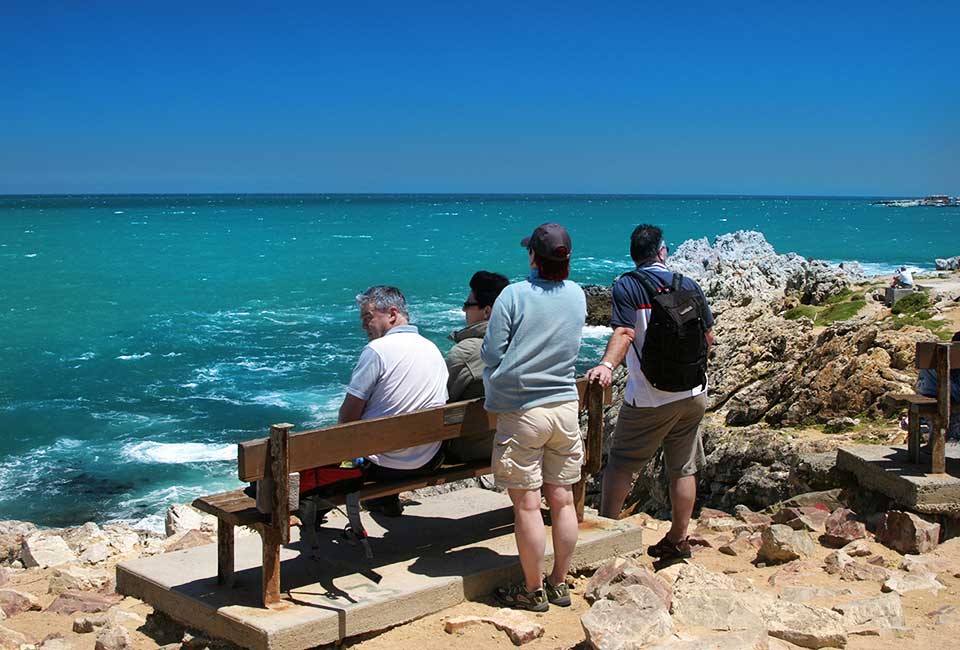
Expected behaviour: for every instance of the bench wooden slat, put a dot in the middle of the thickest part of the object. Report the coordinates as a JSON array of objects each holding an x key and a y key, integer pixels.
[
  {"x": 238, "y": 509},
  {"x": 318, "y": 447},
  {"x": 233, "y": 507}
]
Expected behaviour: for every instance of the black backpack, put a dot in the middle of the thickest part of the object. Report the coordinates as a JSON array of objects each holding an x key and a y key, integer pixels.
[{"x": 674, "y": 355}]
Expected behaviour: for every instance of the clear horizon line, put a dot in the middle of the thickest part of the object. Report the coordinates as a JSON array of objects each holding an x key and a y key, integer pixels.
[{"x": 495, "y": 194}]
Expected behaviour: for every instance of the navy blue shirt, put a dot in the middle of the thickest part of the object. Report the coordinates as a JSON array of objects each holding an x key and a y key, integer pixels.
[{"x": 632, "y": 308}]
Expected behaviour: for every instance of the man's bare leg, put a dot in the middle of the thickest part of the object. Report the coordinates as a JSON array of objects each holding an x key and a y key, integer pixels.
[
  {"x": 683, "y": 495},
  {"x": 531, "y": 537},
  {"x": 617, "y": 484},
  {"x": 564, "y": 529}
]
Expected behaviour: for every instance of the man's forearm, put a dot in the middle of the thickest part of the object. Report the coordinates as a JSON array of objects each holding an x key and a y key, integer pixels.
[{"x": 617, "y": 346}]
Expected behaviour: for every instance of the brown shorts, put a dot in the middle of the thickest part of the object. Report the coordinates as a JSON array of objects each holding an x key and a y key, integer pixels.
[
  {"x": 536, "y": 446},
  {"x": 641, "y": 430}
]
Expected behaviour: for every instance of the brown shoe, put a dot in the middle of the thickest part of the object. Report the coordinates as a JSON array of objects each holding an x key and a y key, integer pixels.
[{"x": 667, "y": 550}]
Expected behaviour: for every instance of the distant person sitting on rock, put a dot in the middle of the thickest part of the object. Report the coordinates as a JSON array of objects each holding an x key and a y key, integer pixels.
[
  {"x": 902, "y": 279},
  {"x": 928, "y": 384},
  {"x": 464, "y": 363},
  {"x": 399, "y": 371}
]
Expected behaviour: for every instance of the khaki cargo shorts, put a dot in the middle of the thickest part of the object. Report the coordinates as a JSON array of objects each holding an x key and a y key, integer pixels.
[
  {"x": 536, "y": 446},
  {"x": 640, "y": 431}
]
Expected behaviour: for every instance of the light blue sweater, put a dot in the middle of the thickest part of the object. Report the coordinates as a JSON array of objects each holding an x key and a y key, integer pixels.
[{"x": 532, "y": 343}]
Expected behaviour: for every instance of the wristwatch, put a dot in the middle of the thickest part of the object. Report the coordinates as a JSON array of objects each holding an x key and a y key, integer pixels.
[{"x": 607, "y": 364}]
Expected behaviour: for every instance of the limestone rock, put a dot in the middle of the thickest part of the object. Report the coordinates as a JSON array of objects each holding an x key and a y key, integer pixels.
[
  {"x": 742, "y": 640},
  {"x": 802, "y": 594},
  {"x": 76, "y": 578},
  {"x": 609, "y": 572},
  {"x": 907, "y": 533},
  {"x": 827, "y": 500},
  {"x": 70, "y": 602},
  {"x": 96, "y": 553},
  {"x": 947, "y": 263},
  {"x": 189, "y": 539},
  {"x": 519, "y": 627},
  {"x": 622, "y": 573},
  {"x": 809, "y": 518},
  {"x": 743, "y": 545},
  {"x": 944, "y": 615},
  {"x": 926, "y": 564},
  {"x": 693, "y": 577},
  {"x": 14, "y": 602},
  {"x": 861, "y": 572},
  {"x": 901, "y": 582},
  {"x": 11, "y": 639},
  {"x": 857, "y": 548},
  {"x": 717, "y": 609},
  {"x": 630, "y": 617},
  {"x": 43, "y": 550},
  {"x": 180, "y": 518},
  {"x": 781, "y": 543},
  {"x": 871, "y": 615},
  {"x": 55, "y": 642},
  {"x": 841, "y": 528},
  {"x": 804, "y": 625},
  {"x": 748, "y": 516},
  {"x": 114, "y": 637}
]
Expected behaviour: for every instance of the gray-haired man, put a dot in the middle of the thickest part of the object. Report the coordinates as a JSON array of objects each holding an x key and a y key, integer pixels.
[{"x": 399, "y": 371}]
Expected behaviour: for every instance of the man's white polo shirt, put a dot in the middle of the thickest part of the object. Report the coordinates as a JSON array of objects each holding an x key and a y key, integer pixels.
[{"x": 400, "y": 372}]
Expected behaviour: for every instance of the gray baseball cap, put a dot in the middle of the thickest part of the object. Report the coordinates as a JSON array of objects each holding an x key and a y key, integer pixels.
[{"x": 550, "y": 241}]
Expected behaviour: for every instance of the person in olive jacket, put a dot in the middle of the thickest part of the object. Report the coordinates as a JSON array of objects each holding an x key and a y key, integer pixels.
[{"x": 463, "y": 359}]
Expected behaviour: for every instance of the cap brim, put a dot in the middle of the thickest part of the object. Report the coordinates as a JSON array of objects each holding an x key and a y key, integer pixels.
[{"x": 525, "y": 242}]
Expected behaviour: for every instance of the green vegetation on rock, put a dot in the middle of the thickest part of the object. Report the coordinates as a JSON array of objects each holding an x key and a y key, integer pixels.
[
  {"x": 801, "y": 311},
  {"x": 911, "y": 304},
  {"x": 840, "y": 311}
]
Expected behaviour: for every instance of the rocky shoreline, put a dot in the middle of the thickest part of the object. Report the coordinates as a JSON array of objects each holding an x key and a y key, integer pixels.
[{"x": 786, "y": 391}]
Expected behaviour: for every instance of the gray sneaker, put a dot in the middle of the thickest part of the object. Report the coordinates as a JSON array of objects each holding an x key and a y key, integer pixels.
[
  {"x": 516, "y": 596},
  {"x": 558, "y": 595}
]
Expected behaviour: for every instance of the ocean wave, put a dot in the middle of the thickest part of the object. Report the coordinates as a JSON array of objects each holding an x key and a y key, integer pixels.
[
  {"x": 177, "y": 453},
  {"x": 873, "y": 269},
  {"x": 596, "y": 332},
  {"x": 133, "y": 357}
]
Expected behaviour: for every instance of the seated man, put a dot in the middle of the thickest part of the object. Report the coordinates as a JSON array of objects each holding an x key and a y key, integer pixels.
[
  {"x": 928, "y": 384},
  {"x": 399, "y": 371},
  {"x": 464, "y": 363},
  {"x": 902, "y": 279}
]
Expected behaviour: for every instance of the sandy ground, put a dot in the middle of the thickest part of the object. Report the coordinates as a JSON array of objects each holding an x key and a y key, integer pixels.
[{"x": 563, "y": 630}]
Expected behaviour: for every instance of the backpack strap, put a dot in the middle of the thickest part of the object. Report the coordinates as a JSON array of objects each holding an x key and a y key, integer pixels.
[{"x": 652, "y": 289}]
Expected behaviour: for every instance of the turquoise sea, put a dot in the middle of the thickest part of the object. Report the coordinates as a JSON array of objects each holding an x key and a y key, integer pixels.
[{"x": 141, "y": 337}]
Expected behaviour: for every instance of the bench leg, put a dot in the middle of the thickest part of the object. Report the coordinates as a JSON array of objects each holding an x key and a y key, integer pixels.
[
  {"x": 270, "y": 539},
  {"x": 913, "y": 435},
  {"x": 225, "y": 553},
  {"x": 938, "y": 460}
]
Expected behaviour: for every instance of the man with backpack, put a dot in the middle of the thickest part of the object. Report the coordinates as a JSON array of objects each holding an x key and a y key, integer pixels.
[{"x": 662, "y": 328}]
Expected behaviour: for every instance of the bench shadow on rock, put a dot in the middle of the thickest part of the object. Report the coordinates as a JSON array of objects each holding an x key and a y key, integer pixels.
[{"x": 439, "y": 546}]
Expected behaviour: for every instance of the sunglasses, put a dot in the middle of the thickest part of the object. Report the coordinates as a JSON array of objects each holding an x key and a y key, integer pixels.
[{"x": 469, "y": 304}]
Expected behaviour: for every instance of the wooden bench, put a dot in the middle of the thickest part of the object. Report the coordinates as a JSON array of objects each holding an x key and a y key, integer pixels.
[
  {"x": 274, "y": 458},
  {"x": 940, "y": 357}
]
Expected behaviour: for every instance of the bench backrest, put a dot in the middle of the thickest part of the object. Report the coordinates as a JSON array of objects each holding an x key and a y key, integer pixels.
[
  {"x": 333, "y": 444},
  {"x": 927, "y": 354}
]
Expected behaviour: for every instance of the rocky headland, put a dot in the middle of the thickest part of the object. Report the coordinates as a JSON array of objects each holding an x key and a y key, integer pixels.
[{"x": 789, "y": 551}]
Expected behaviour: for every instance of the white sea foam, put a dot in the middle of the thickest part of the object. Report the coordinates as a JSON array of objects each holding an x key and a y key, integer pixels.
[
  {"x": 133, "y": 357},
  {"x": 30, "y": 255},
  {"x": 86, "y": 356},
  {"x": 172, "y": 354},
  {"x": 596, "y": 331},
  {"x": 352, "y": 236},
  {"x": 118, "y": 211},
  {"x": 883, "y": 268},
  {"x": 176, "y": 453}
]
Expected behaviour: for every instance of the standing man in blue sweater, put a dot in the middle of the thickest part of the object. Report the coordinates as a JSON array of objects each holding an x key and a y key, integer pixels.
[{"x": 529, "y": 352}]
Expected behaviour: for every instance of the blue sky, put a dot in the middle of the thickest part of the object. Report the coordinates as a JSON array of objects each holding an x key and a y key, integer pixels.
[{"x": 823, "y": 98}]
